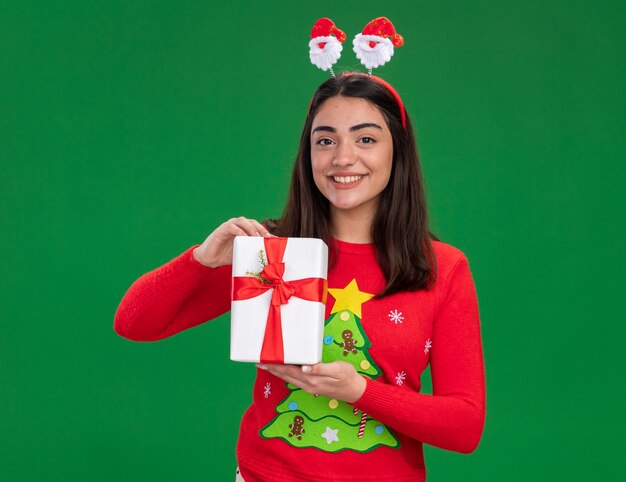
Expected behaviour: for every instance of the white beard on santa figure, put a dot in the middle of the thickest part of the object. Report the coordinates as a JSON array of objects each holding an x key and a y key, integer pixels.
[
  {"x": 372, "y": 57},
  {"x": 326, "y": 56}
]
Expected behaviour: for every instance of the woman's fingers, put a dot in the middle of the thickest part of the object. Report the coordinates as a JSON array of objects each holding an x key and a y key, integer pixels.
[
  {"x": 234, "y": 230},
  {"x": 290, "y": 373},
  {"x": 245, "y": 225},
  {"x": 336, "y": 370},
  {"x": 216, "y": 250},
  {"x": 262, "y": 230},
  {"x": 251, "y": 227},
  {"x": 293, "y": 379},
  {"x": 336, "y": 379}
]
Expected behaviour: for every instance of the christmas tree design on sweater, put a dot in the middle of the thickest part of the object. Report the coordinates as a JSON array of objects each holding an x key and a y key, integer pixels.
[{"x": 304, "y": 420}]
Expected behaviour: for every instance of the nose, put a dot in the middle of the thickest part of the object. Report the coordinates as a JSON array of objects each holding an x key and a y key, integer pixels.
[{"x": 345, "y": 154}]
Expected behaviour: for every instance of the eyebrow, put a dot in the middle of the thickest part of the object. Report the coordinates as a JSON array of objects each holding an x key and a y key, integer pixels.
[{"x": 352, "y": 129}]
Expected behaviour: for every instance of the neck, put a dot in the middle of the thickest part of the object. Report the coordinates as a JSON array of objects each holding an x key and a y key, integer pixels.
[{"x": 351, "y": 226}]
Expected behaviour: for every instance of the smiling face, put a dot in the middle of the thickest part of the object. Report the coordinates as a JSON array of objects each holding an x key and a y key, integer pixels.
[{"x": 351, "y": 155}]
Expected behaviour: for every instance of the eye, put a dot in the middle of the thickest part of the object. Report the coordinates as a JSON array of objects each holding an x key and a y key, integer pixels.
[
  {"x": 324, "y": 141},
  {"x": 367, "y": 140}
]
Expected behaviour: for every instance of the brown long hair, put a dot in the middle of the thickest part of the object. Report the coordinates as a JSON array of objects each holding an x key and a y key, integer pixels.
[{"x": 400, "y": 228}]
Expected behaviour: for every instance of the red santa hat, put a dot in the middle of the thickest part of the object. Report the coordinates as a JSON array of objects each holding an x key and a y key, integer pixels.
[
  {"x": 383, "y": 27},
  {"x": 325, "y": 27}
]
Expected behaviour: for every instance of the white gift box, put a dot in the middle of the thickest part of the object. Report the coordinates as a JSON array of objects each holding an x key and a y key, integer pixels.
[{"x": 301, "y": 320}]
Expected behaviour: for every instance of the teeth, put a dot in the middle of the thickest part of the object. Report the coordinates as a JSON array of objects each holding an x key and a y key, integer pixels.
[{"x": 346, "y": 179}]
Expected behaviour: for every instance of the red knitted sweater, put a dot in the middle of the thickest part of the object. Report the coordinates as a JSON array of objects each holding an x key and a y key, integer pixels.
[{"x": 407, "y": 331}]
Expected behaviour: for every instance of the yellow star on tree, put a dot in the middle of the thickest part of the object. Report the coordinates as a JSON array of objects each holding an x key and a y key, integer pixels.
[{"x": 349, "y": 298}]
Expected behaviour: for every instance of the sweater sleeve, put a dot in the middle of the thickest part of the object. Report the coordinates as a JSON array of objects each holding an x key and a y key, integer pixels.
[
  {"x": 174, "y": 297},
  {"x": 453, "y": 417}
]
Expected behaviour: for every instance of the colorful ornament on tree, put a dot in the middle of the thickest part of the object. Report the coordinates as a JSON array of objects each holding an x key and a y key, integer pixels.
[
  {"x": 296, "y": 427},
  {"x": 348, "y": 343},
  {"x": 330, "y": 435},
  {"x": 363, "y": 421},
  {"x": 333, "y": 425}
]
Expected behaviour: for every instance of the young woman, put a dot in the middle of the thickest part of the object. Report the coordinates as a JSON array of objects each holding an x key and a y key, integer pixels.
[{"x": 357, "y": 185}]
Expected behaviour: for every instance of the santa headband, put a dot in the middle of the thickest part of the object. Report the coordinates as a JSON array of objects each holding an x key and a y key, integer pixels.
[{"x": 374, "y": 47}]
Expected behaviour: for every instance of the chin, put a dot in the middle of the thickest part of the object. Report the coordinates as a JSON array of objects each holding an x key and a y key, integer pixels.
[
  {"x": 343, "y": 203},
  {"x": 353, "y": 206},
  {"x": 345, "y": 207}
]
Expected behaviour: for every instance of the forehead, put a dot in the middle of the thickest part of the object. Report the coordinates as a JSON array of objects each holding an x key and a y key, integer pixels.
[{"x": 341, "y": 111}]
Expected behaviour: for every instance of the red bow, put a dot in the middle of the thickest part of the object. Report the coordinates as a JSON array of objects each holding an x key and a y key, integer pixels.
[{"x": 244, "y": 288}]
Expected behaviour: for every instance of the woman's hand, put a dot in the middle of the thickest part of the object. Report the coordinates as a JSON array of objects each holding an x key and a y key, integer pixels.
[
  {"x": 217, "y": 249},
  {"x": 337, "y": 379}
]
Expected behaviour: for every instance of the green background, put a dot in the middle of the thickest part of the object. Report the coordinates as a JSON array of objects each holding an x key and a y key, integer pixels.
[{"x": 129, "y": 130}]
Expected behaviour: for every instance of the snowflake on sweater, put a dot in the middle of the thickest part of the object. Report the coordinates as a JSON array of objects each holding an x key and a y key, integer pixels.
[
  {"x": 396, "y": 316},
  {"x": 427, "y": 346},
  {"x": 267, "y": 390},
  {"x": 400, "y": 377}
]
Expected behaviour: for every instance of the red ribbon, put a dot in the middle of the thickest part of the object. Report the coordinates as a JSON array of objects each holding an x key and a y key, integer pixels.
[{"x": 245, "y": 287}]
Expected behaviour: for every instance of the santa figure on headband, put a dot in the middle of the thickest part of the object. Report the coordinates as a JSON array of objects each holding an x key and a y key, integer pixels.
[
  {"x": 325, "y": 45},
  {"x": 374, "y": 45}
]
